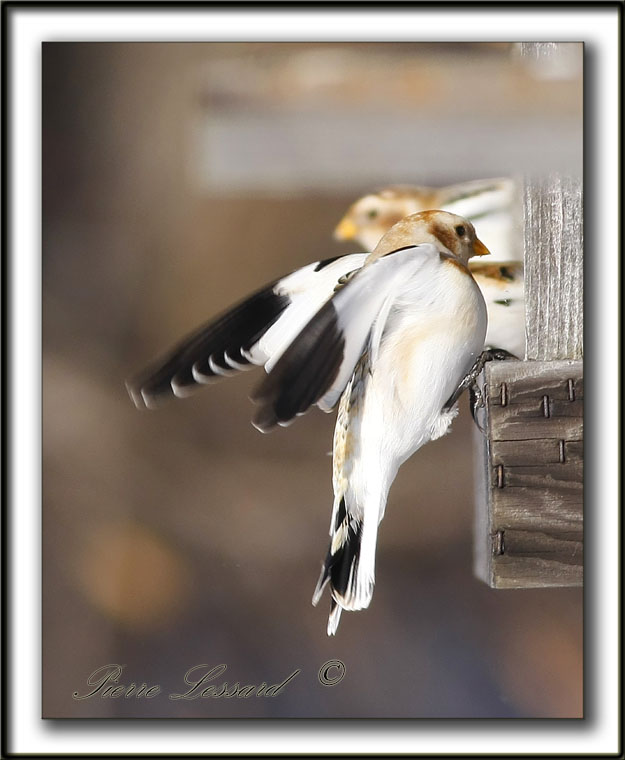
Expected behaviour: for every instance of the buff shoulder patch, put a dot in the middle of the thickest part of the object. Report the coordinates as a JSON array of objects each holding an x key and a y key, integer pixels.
[{"x": 503, "y": 273}]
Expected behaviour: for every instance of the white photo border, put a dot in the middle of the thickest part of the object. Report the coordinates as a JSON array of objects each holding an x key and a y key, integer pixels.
[{"x": 26, "y": 26}]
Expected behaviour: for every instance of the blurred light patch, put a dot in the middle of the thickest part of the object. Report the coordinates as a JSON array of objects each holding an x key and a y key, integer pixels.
[
  {"x": 133, "y": 576},
  {"x": 329, "y": 119},
  {"x": 552, "y": 676}
]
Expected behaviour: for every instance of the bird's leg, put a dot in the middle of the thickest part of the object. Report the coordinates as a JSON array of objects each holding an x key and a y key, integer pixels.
[
  {"x": 476, "y": 396},
  {"x": 467, "y": 381}
]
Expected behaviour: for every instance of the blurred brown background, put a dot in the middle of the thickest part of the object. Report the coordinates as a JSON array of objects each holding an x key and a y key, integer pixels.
[{"x": 176, "y": 179}]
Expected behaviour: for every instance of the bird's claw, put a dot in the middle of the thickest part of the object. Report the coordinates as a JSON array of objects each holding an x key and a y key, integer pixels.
[
  {"x": 497, "y": 354},
  {"x": 469, "y": 381},
  {"x": 476, "y": 401}
]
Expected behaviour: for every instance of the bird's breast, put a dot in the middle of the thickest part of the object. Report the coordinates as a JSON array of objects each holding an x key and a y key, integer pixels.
[{"x": 452, "y": 307}]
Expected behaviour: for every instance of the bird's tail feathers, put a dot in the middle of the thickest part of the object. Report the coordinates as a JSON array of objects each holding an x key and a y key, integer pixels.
[{"x": 349, "y": 566}]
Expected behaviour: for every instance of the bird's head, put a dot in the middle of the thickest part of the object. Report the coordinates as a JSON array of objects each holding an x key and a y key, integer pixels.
[
  {"x": 370, "y": 217},
  {"x": 448, "y": 232}
]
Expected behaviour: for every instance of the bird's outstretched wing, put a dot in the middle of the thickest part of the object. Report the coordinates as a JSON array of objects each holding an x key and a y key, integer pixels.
[
  {"x": 318, "y": 363},
  {"x": 254, "y": 332}
]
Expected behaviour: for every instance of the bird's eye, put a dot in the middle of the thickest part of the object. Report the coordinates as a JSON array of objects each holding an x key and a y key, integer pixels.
[
  {"x": 460, "y": 230},
  {"x": 373, "y": 213}
]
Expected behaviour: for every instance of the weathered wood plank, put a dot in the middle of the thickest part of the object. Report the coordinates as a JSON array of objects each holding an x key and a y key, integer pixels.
[
  {"x": 517, "y": 543},
  {"x": 559, "y": 408},
  {"x": 574, "y": 451},
  {"x": 539, "y": 452},
  {"x": 553, "y": 384},
  {"x": 563, "y": 428},
  {"x": 544, "y": 406},
  {"x": 533, "y": 508},
  {"x": 523, "y": 559},
  {"x": 570, "y": 472},
  {"x": 529, "y": 523},
  {"x": 578, "y": 387},
  {"x": 554, "y": 268}
]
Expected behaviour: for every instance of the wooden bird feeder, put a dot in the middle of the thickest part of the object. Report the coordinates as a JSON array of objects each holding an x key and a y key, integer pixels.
[{"x": 529, "y": 514}]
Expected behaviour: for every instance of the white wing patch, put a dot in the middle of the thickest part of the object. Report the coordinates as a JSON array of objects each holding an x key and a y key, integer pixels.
[
  {"x": 363, "y": 306},
  {"x": 308, "y": 290}
]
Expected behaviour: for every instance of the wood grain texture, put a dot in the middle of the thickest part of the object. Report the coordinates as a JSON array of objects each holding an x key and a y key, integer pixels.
[
  {"x": 529, "y": 519},
  {"x": 553, "y": 255}
]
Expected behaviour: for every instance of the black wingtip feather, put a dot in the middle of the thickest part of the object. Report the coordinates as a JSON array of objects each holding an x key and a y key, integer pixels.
[
  {"x": 326, "y": 262},
  {"x": 303, "y": 373},
  {"x": 235, "y": 330}
]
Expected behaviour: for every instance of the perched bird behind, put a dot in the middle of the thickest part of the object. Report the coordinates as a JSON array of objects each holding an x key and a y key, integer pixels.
[
  {"x": 490, "y": 204},
  {"x": 391, "y": 334}
]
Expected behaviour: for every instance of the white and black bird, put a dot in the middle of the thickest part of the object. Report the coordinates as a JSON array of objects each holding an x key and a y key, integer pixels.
[
  {"x": 391, "y": 334},
  {"x": 489, "y": 203}
]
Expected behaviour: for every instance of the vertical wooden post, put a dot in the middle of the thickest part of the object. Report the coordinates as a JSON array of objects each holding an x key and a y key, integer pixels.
[
  {"x": 529, "y": 513},
  {"x": 554, "y": 266}
]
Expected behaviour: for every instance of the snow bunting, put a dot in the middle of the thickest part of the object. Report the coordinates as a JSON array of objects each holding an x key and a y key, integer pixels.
[
  {"x": 391, "y": 334},
  {"x": 490, "y": 204}
]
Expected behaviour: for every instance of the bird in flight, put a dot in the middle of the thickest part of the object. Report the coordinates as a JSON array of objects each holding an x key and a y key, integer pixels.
[
  {"x": 489, "y": 203},
  {"x": 388, "y": 336}
]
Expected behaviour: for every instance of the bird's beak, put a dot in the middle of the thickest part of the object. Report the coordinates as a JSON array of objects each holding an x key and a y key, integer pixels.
[
  {"x": 346, "y": 230},
  {"x": 479, "y": 249}
]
